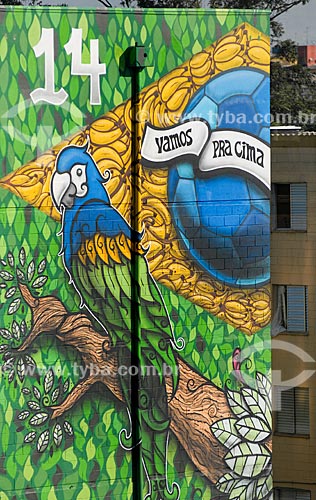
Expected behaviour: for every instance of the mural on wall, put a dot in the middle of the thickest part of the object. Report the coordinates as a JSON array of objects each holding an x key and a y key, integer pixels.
[{"x": 135, "y": 256}]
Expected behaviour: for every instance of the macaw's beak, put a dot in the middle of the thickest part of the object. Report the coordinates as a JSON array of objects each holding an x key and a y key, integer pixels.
[{"x": 62, "y": 190}]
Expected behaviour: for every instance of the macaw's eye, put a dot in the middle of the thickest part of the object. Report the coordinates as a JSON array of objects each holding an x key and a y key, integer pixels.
[{"x": 79, "y": 172}]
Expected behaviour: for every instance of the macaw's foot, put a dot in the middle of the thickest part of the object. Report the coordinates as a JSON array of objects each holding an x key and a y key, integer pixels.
[{"x": 161, "y": 491}]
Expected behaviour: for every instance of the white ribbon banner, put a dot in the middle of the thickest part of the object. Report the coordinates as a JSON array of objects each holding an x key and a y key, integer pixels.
[{"x": 216, "y": 149}]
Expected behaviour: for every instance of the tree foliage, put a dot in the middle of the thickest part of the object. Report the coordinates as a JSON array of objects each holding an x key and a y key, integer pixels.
[{"x": 293, "y": 96}]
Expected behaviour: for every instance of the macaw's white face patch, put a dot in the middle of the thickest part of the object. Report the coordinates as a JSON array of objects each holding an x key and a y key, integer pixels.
[{"x": 79, "y": 179}]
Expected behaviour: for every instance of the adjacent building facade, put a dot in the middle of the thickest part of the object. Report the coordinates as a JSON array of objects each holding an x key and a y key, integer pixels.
[{"x": 293, "y": 276}]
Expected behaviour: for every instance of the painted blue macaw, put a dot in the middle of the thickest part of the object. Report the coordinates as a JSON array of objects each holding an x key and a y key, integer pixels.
[{"x": 107, "y": 266}]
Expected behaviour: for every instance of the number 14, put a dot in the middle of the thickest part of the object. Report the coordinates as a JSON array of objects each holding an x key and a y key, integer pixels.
[{"x": 74, "y": 47}]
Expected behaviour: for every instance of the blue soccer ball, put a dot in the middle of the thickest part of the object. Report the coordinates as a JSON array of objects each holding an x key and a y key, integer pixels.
[{"x": 223, "y": 217}]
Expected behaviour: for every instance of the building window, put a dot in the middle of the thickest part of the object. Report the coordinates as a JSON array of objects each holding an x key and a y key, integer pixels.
[
  {"x": 289, "y": 206},
  {"x": 291, "y": 494},
  {"x": 290, "y": 309},
  {"x": 292, "y": 415}
]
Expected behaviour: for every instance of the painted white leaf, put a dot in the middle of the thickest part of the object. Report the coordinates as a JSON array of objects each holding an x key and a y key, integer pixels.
[
  {"x": 39, "y": 418},
  {"x": 6, "y": 334},
  {"x": 55, "y": 395},
  {"x": 253, "y": 429},
  {"x": 57, "y": 434},
  {"x": 23, "y": 415},
  {"x": 225, "y": 432},
  {"x": 23, "y": 328},
  {"x": 30, "y": 271},
  {"x": 16, "y": 332},
  {"x": 43, "y": 440},
  {"x": 68, "y": 428},
  {"x": 22, "y": 257},
  {"x": 226, "y": 482},
  {"x": 37, "y": 393},
  {"x": 20, "y": 274},
  {"x": 6, "y": 276},
  {"x": 42, "y": 266},
  {"x": 264, "y": 387},
  {"x": 10, "y": 292},
  {"x": 3, "y": 348},
  {"x": 257, "y": 405},
  {"x": 10, "y": 259},
  {"x": 29, "y": 360},
  {"x": 25, "y": 390},
  {"x": 20, "y": 366},
  {"x": 3, "y": 286},
  {"x": 264, "y": 486},
  {"x": 33, "y": 405},
  {"x": 30, "y": 437},
  {"x": 39, "y": 282},
  {"x": 243, "y": 490},
  {"x": 248, "y": 459},
  {"x": 48, "y": 381},
  {"x": 66, "y": 385},
  {"x": 14, "y": 306},
  {"x": 11, "y": 376},
  {"x": 237, "y": 404},
  {"x": 3, "y": 262}
]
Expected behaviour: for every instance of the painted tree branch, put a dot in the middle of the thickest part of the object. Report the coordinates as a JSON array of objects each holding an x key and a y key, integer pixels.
[{"x": 196, "y": 404}]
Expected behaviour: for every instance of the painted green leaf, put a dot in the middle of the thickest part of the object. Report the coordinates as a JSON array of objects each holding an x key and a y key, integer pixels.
[
  {"x": 39, "y": 418},
  {"x": 20, "y": 369},
  {"x": 253, "y": 429},
  {"x": 226, "y": 482},
  {"x": 42, "y": 266},
  {"x": 20, "y": 275},
  {"x": 39, "y": 282},
  {"x": 257, "y": 405},
  {"x": 14, "y": 306},
  {"x": 225, "y": 432},
  {"x": 11, "y": 259},
  {"x": 42, "y": 442},
  {"x": 264, "y": 386},
  {"x": 22, "y": 257},
  {"x": 23, "y": 328},
  {"x": 242, "y": 490},
  {"x": 23, "y": 415},
  {"x": 16, "y": 332},
  {"x": 30, "y": 437},
  {"x": 10, "y": 292},
  {"x": 6, "y": 334},
  {"x": 264, "y": 486},
  {"x": 48, "y": 381},
  {"x": 33, "y": 405},
  {"x": 30, "y": 271},
  {"x": 248, "y": 459},
  {"x": 5, "y": 275},
  {"x": 57, "y": 434},
  {"x": 237, "y": 404},
  {"x": 29, "y": 360},
  {"x": 68, "y": 428},
  {"x": 37, "y": 393},
  {"x": 66, "y": 386},
  {"x": 55, "y": 394}
]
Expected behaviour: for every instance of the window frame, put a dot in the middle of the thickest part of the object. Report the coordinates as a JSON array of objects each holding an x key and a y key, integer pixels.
[
  {"x": 286, "y": 491},
  {"x": 283, "y": 312},
  {"x": 297, "y": 207},
  {"x": 301, "y": 409}
]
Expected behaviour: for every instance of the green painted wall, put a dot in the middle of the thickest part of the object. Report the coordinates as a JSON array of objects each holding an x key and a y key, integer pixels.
[{"x": 195, "y": 289}]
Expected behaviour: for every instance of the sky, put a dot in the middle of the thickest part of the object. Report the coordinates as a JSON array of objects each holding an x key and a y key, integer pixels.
[{"x": 299, "y": 22}]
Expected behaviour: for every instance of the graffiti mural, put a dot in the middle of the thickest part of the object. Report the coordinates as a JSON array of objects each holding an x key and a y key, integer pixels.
[{"x": 134, "y": 272}]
